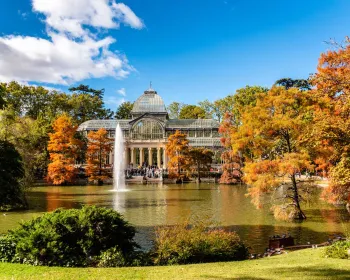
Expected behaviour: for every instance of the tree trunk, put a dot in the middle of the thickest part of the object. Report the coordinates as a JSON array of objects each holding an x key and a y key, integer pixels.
[
  {"x": 100, "y": 162},
  {"x": 299, "y": 215}
]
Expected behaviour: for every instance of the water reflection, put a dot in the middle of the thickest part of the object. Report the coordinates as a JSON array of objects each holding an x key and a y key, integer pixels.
[
  {"x": 147, "y": 206},
  {"x": 119, "y": 202}
]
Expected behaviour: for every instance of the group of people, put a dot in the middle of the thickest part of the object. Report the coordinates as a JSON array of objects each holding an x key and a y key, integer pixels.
[{"x": 146, "y": 171}]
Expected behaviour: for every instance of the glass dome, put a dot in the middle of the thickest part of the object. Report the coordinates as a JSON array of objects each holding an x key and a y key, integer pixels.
[
  {"x": 147, "y": 129},
  {"x": 149, "y": 102}
]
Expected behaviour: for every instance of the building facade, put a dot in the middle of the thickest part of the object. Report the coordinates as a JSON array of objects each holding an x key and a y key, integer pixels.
[{"x": 146, "y": 133}]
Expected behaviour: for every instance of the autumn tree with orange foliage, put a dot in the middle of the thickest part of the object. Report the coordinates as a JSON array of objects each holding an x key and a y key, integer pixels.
[
  {"x": 177, "y": 150},
  {"x": 201, "y": 159},
  {"x": 98, "y": 149},
  {"x": 231, "y": 168},
  {"x": 63, "y": 149},
  {"x": 233, "y": 159},
  {"x": 332, "y": 129},
  {"x": 267, "y": 136},
  {"x": 232, "y": 162}
]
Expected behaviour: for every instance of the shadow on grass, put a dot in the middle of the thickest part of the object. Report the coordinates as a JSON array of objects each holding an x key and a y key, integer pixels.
[
  {"x": 315, "y": 272},
  {"x": 293, "y": 273},
  {"x": 212, "y": 277}
]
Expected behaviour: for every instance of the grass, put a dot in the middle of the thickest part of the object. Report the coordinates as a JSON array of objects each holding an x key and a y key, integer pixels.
[{"x": 305, "y": 264}]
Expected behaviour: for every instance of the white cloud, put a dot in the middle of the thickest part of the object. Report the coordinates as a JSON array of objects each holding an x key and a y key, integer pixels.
[
  {"x": 73, "y": 51},
  {"x": 113, "y": 101},
  {"x": 122, "y": 91},
  {"x": 127, "y": 16}
]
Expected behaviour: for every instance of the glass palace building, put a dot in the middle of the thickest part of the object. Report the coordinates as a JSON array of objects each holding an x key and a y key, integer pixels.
[{"x": 146, "y": 133}]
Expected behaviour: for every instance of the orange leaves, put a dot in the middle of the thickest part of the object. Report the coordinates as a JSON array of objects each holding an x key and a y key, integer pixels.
[
  {"x": 332, "y": 81},
  {"x": 333, "y": 73},
  {"x": 61, "y": 172},
  {"x": 63, "y": 148},
  {"x": 231, "y": 169},
  {"x": 293, "y": 163},
  {"x": 99, "y": 147},
  {"x": 268, "y": 137},
  {"x": 278, "y": 116},
  {"x": 339, "y": 187},
  {"x": 177, "y": 149}
]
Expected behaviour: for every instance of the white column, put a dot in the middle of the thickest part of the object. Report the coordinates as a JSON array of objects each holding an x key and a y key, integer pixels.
[
  {"x": 165, "y": 159},
  {"x": 141, "y": 156},
  {"x": 158, "y": 157},
  {"x": 111, "y": 157},
  {"x": 132, "y": 156},
  {"x": 150, "y": 156},
  {"x": 127, "y": 160}
]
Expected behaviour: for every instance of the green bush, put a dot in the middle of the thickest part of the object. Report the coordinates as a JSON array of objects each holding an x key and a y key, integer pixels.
[
  {"x": 113, "y": 257},
  {"x": 72, "y": 237},
  {"x": 338, "y": 250},
  {"x": 182, "y": 244},
  {"x": 7, "y": 249}
]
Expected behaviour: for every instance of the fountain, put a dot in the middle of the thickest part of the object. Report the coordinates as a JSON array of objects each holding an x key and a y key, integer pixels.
[{"x": 118, "y": 163}]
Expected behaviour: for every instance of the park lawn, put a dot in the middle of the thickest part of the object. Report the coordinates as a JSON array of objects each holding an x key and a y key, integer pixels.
[{"x": 305, "y": 264}]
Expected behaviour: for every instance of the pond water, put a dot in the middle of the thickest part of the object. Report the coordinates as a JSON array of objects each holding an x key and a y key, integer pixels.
[{"x": 146, "y": 206}]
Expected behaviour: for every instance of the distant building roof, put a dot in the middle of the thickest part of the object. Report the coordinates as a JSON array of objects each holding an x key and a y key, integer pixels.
[
  {"x": 106, "y": 124},
  {"x": 149, "y": 102},
  {"x": 192, "y": 123},
  {"x": 169, "y": 124}
]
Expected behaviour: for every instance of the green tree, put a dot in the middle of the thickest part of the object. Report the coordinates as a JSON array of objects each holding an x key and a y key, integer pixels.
[
  {"x": 217, "y": 109},
  {"x": 192, "y": 112},
  {"x": 29, "y": 137},
  {"x": 298, "y": 83},
  {"x": 202, "y": 159},
  {"x": 84, "y": 89},
  {"x": 87, "y": 103},
  {"x": 124, "y": 111},
  {"x": 30, "y": 101},
  {"x": 2, "y": 97},
  {"x": 11, "y": 174},
  {"x": 207, "y": 106},
  {"x": 174, "y": 109}
]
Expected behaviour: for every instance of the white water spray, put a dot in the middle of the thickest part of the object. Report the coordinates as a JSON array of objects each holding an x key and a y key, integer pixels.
[{"x": 118, "y": 163}]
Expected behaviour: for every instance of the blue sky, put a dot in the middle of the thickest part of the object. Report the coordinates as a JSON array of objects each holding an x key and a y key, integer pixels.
[{"x": 191, "y": 50}]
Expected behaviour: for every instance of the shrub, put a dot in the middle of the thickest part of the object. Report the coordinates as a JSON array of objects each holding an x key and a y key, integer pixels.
[
  {"x": 338, "y": 250},
  {"x": 7, "y": 249},
  {"x": 181, "y": 244},
  {"x": 72, "y": 237},
  {"x": 113, "y": 257}
]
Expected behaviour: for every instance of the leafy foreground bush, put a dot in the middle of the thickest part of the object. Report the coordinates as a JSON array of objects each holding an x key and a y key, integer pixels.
[
  {"x": 182, "y": 244},
  {"x": 338, "y": 250},
  {"x": 90, "y": 236}
]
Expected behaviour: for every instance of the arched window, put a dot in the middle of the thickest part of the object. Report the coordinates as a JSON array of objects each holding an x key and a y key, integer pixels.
[{"x": 147, "y": 129}]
